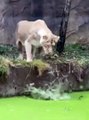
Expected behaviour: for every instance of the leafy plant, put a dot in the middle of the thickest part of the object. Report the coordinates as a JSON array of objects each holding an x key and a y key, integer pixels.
[
  {"x": 8, "y": 51},
  {"x": 76, "y": 52},
  {"x": 4, "y": 65}
]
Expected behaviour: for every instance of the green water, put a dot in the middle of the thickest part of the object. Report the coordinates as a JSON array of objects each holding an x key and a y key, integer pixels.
[{"x": 24, "y": 108}]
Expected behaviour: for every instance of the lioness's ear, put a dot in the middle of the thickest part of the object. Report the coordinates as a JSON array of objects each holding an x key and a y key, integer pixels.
[{"x": 55, "y": 39}]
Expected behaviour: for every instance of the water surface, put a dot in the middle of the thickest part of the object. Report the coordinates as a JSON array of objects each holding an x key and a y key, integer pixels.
[{"x": 24, "y": 108}]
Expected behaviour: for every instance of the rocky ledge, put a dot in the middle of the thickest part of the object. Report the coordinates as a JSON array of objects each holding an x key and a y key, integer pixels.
[{"x": 68, "y": 72}]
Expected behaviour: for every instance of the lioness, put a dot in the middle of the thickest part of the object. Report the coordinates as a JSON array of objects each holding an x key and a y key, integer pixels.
[{"x": 34, "y": 33}]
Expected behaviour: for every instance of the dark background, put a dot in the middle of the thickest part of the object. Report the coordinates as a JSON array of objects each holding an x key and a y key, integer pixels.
[{"x": 12, "y": 11}]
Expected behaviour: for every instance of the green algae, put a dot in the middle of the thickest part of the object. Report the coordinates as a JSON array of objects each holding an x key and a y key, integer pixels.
[{"x": 24, "y": 108}]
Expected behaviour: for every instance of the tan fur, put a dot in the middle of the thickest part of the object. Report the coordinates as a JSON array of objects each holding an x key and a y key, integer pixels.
[{"x": 35, "y": 33}]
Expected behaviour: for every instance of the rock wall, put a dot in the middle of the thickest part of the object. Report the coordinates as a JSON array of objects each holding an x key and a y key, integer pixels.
[
  {"x": 66, "y": 76},
  {"x": 12, "y": 11},
  {"x": 79, "y": 22}
]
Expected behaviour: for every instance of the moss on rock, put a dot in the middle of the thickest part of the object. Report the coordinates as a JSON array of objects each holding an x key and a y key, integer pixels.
[{"x": 76, "y": 53}]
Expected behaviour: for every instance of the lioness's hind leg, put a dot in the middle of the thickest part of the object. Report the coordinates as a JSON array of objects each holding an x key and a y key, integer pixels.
[{"x": 20, "y": 49}]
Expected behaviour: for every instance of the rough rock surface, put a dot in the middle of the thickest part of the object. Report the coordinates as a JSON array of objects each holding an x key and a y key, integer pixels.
[
  {"x": 69, "y": 77},
  {"x": 12, "y": 11},
  {"x": 79, "y": 22}
]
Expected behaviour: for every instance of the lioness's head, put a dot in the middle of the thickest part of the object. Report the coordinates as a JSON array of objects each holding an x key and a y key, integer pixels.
[{"x": 49, "y": 42}]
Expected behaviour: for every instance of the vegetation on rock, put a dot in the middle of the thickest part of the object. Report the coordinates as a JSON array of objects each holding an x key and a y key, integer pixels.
[
  {"x": 76, "y": 54},
  {"x": 72, "y": 53}
]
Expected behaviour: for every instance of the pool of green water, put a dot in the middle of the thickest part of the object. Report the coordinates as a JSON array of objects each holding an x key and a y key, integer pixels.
[{"x": 24, "y": 108}]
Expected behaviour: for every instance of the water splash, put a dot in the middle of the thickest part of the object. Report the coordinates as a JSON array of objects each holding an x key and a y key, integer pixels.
[{"x": 53, "y": 92}]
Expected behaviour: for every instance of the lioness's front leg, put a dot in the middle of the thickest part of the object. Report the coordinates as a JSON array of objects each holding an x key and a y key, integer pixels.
[{"x": 28, "y": 49}]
